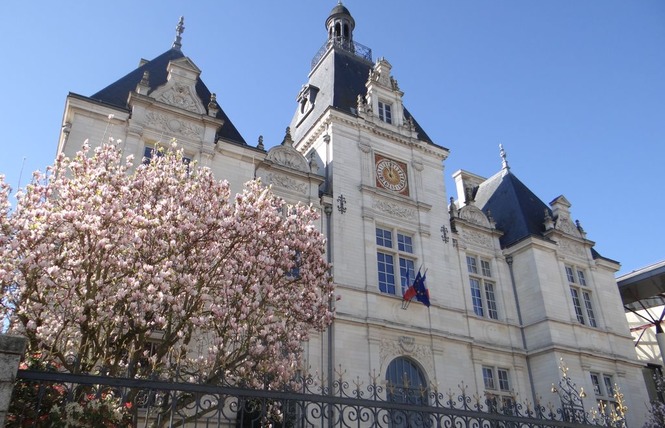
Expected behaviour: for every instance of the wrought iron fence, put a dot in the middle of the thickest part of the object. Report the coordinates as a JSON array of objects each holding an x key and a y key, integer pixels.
[{"x": 45, "y": 399}]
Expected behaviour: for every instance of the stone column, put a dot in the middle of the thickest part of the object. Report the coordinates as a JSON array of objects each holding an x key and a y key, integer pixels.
[{"x": 11, "y": 351}]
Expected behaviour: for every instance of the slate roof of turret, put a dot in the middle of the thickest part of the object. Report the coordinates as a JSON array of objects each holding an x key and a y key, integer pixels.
[
  {"x": 340, "y": 87},
  {"x": 351, "y": 74},
  {"x": 340, "y": 84},
  {"x": 517, "y": 211},
  {"x": 117, "y": 93}
]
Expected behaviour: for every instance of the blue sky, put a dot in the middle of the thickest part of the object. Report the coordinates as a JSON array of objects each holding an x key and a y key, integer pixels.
[{"x": 574, "y": 90}]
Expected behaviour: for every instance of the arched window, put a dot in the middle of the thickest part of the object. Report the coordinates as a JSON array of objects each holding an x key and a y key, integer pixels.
[{"x": 406, "y": 382}]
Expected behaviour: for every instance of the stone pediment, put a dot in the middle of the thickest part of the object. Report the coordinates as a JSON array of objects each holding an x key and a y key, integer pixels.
[
  {"x": 180, "y": 88},
  {"x": 185, "y": 64},
  {"x": 474, "y": 215},
  {"x": 565, "y": 224},
  {"x": 288, "y": 157}
]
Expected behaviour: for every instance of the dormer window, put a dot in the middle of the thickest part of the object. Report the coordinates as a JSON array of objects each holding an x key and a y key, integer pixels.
[
  {"x": 385, "y": 112},
  {"x": 306, "y": 98}
]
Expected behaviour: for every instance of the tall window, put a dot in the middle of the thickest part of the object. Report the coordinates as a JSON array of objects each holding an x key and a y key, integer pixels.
[
  {"x": 581, "y": 296},
  {"x": 406, "y": 383},
  {"x": 395, "y": 259},
  {"x": 497, "y": 387},
  {"x": 385, "y": 112},
  {"x": 149, "y": 152},
  {"x": 483, "y": 294},
  {"x": 603, "y": 387}
]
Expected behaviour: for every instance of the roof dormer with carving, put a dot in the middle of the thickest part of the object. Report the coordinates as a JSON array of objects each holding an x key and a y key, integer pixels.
[
  {"x": 382, "y": 102},
  {"x": 180, "y": 88},
  {"x": 289, "y": 172},
  {"x": 171, "y": 83}
]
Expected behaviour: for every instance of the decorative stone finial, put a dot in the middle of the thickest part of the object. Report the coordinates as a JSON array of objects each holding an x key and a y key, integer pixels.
[
  {"x": 313, "y": 164},
  {"x": 504, "y": 160},
  {"x": 260, "y": 145},
  {"x": 361, "y": 104},
  {"x": 144, "y": 85},
  {"x": 453, "y": 208},
  {"x": 145, "y": 80},
  {"x": 491, "y": 219},
  {"x": 179, "y": 29},
  {"x": 579, "y": 226},
  {"x": 212, "y": 105},
  {"x": 549, "y": 223},
  {"x": 287, "y": 141},
  {"x": 410, "y": 124}
]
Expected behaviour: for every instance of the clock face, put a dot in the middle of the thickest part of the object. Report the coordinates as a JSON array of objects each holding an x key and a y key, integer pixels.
[{"x": 391, "y": 175}]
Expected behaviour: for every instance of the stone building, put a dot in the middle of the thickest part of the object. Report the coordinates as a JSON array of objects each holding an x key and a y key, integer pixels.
[{"x": 515, "y": 285}]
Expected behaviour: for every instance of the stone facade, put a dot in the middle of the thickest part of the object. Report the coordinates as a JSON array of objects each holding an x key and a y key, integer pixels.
[{"x": 500, "y": 309}]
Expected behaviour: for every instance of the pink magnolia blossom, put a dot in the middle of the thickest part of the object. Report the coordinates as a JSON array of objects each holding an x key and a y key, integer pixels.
[{"x": 103, "y": 260}]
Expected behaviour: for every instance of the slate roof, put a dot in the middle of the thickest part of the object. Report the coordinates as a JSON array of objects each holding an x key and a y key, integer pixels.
[
  {"x": 351, "y": 74},
  {"x": 517, "y": 211},
  {"x": 341, "y": 85},
  {"x": 117, "y": 93},
  {"x": 340, "y": 9}
]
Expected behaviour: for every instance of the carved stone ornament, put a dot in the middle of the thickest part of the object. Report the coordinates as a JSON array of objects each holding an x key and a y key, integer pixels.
[
  {"x": 406, "y": 347},
  {"x": 571, "y": 247},
  {"x": 289, "y": 157},
  {"x": 181, "y": 96},
  {"x": 477, "y": 238},
  {"x": 474, "y": 215},
  {"x": 407, "y": 343},
  {"x": 364, "y": 147},
  {"x": 393, "y": 209},
  {"x": 287, "y": 183},
  {"x": 171, "y": 125},
  {"x": 566, "y": 225},
  {"x": 381, "y": 74}
]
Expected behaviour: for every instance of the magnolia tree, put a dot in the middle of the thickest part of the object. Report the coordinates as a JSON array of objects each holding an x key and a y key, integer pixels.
[{"x": 134, "y": 270}]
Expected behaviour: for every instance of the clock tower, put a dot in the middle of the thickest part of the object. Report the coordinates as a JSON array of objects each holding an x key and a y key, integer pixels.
[{"x": 384, "y": 201}]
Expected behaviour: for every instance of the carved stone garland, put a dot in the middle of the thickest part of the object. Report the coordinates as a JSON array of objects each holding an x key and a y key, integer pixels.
[
  {"x": 172, "y": 125},
  {"x": 406, "y": 347},
  {"x": 394, "y": 210}
]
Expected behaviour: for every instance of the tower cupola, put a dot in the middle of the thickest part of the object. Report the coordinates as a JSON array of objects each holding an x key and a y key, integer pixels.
[{"x": 340, "y": 25}]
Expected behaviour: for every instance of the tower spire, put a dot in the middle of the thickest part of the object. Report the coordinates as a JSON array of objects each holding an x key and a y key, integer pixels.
[{"x": 179, "y": 29}]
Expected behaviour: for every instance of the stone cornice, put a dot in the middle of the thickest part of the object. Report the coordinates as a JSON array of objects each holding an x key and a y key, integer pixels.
[
  {"x": 148, "y": 102},
  {"x": 332, "y": 115}
]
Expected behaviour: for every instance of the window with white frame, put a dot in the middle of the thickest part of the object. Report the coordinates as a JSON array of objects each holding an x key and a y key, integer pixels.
[
  {"x": 603, "y": 388},
  {"x": 385, "y": 112},
  {"x": 581, "y": 295},
  {"x": 497, "y": 387},
  {"x": 149, "y": 152},
  {"x": 395, "y": 260},
  {"x": 483, "y": 288}
]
